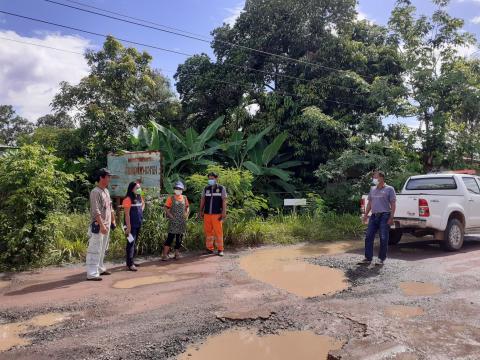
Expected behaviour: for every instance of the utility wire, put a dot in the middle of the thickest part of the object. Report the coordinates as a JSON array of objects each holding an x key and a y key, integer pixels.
[
  {"x": 43, "y": 46},
  {"x": 277, "y": 93},
  {"x": 161, "y": 49},
  {"x": 169, "y": 50},
  {"x": 280, "y": 94},
  {"x": 135, "y": 18},
  {"x": 195, "y": 37},
  {"x": 176, "y": 33},
  {"x": 94, "y": 33}
]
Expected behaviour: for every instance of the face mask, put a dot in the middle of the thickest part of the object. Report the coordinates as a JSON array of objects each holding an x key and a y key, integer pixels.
[
  {"x": 375, "y": 182},
  {"x": 212, "y": 182},
  {"x": 138, "y": 191},
  {"x": 178, "y": 192}
]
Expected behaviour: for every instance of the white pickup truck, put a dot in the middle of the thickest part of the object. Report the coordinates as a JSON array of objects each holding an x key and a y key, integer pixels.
[{"x": 443, "y": 205}]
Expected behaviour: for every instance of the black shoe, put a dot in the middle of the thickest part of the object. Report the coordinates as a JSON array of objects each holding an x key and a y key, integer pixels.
[
  {"x": 209, "y": 252},
  {"x": 106, "y": 273},
  {"x": 95, "y": 279},
  {"x": 132, "y": 268}
]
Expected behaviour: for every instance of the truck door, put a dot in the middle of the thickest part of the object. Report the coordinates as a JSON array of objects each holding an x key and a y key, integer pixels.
[{"x": 472, "y": 201}]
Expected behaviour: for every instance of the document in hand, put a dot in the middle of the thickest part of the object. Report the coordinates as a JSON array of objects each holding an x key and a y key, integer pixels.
[{"x": 130, "y": 238}]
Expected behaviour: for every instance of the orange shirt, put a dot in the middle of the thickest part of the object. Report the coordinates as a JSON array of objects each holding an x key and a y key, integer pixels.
[
  {"x": 127, "y": 203},
  {"x": 169, "y": 201}
]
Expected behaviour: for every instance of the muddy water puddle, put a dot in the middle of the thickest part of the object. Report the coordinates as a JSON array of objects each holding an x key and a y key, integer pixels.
[
  {"x": 413, "y": 288},
  {"x": 246, "y": 344},
  {"x": 286, "y": 268},
  {"x": 403, "y": 312},
  {"x": 10, "y": 334}
]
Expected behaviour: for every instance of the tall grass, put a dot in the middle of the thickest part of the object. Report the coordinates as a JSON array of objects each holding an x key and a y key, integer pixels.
[{"x": 70, "y": 240}]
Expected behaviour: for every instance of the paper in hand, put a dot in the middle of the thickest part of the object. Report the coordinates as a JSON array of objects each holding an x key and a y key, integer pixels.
[{"x": 130, "y": 238}]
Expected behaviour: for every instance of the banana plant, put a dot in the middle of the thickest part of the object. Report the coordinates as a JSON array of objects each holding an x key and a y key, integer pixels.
[
  {"x": 180, "y": 152},
  {"x": 268, "y": 165},
  {"x": 270, "y": 168}
]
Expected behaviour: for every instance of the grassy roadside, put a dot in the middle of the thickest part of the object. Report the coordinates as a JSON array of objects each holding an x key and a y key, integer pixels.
[{"x": 68, "y": 240}]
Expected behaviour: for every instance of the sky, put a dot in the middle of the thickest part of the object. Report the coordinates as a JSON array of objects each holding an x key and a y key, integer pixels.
[{"x": 30, "y": 75}]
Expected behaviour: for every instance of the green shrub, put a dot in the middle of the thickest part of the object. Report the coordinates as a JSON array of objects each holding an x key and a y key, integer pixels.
[
  {"x": 31, "y": 189},
  {"x": 242, "y": 203},
  {"x": 154, "y": 229}
]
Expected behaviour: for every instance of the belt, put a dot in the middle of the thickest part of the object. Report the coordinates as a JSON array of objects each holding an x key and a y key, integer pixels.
[{"x": 381, "y": 213}]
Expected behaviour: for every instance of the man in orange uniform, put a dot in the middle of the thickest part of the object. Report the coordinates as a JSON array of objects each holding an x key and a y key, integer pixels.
[{"x": 213, "y": 210}]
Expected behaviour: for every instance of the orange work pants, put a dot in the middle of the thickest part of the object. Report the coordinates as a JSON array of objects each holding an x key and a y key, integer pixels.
[{"x": 213, "y": 228}]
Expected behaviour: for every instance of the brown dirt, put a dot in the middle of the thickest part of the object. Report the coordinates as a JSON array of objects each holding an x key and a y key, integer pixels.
[{"x": 164, "y": 309}]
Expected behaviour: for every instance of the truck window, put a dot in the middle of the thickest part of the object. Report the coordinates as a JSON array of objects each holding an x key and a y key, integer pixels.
[
  {"x": 433, "y": 183},
  {"x": 471, "y": 185}
]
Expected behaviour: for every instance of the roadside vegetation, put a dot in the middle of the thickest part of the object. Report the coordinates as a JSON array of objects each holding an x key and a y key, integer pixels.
[{"x": 312, "y": 127}]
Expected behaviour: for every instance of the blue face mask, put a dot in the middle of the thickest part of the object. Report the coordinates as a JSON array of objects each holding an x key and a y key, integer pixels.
[{"x": 212, "y": 182}]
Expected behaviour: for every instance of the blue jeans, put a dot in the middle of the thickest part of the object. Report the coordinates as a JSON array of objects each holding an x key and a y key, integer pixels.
[{"x": 378, "y": 222}]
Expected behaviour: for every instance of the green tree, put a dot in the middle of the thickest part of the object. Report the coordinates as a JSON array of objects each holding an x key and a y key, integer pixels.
[
  {"x": 31, "y": 189},
  {"x": 206, "y": 91},
  {"x": 343, "y": 180},
  {"x": 429, "y": 47},
  {"x": 59, "y": 120},
  {"x": 12, "y": 126},
  {"x": 121, "y": 92},
  {"x": 462, "y": 83},
  {"x": 347, "y": 69}
]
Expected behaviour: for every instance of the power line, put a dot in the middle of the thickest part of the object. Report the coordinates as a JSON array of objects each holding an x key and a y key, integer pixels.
[
  {"x": 157, "y": 48},
  {"x": 278, "y": 93},
  {"x": 94, "y": 33},
  {"x": 195, "y": 37},
  {"x": 39, "y": 45},
  {"x": 164, "y": 49},
  {"x": 134, "y": 18}
]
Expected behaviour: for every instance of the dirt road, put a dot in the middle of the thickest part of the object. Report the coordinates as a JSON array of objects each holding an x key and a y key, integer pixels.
[{"x": 265, "y": 303}]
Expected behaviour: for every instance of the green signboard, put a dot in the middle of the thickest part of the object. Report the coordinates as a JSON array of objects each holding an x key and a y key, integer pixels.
[{"x": 140, "y": 166}]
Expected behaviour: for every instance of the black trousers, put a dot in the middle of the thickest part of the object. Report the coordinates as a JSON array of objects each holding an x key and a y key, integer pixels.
[
  {"x": 178, "y": 240},
  {"x": 131, "y": 248}
]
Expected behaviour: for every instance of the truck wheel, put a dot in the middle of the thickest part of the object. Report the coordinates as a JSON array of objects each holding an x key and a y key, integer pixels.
[
  {"x": 453, "y": 235},
  {"x": 395, "y": 236}
]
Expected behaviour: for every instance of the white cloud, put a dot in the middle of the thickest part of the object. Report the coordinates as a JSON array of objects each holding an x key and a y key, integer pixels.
[
  {"x": 30, "y": 75},
  {"x": 475, "y": 20},
  {"x": 363, "y": 16},
  {"x": 234, "y": 14}
]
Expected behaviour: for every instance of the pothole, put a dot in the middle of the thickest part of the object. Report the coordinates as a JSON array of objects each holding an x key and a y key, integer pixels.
[
  {"x": 246, "y": 344},
  {"x": 10, "y": 334},
  {"x": 404, "y": 312},
  {"x": 286, "y": 269},
  {"x": 414, "y": 288}
]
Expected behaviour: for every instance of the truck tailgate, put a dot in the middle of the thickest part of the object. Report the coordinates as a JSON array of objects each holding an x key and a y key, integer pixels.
[{"x": 407, "y": 206}]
